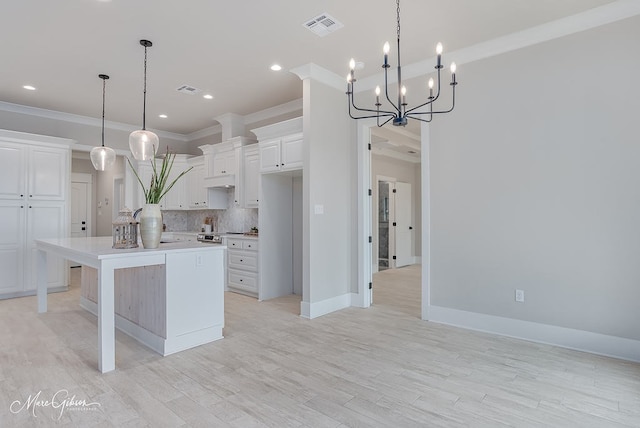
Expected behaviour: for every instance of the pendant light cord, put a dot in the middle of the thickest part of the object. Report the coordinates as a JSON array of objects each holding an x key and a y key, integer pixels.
[
  {"x": 104, "y": 85},
  {"x": 144, "y": 102}
]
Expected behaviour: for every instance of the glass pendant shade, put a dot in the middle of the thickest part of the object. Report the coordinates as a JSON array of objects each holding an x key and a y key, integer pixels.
[
  {"x": 102, "y": 158},
  {"x": 143, "y": 144}
]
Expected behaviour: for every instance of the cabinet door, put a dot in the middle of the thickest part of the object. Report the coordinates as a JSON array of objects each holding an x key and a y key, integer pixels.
[
  {"x": 224, "y": 163},
  {"x": 48, "y": 173},
  {"x": 194, "y": 184},
  {"x": 144, "y": 172},
  {"x": 12, "y": 215},
  {"x": 175, "y": 198},
  {"x": 270, "y": 156},
  {"x": 12, "y": 171},
  {"x": 44, "y": 220},
  {"x": 292, "y": 154},
  {"x": 251, "y": 176}
]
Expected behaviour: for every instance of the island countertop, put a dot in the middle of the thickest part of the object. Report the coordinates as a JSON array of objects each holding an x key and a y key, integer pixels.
[{"x": 192, "y": 283}]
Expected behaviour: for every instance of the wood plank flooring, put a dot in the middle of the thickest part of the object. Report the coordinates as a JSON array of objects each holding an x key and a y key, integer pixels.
[{"x": 377, "y": 367}]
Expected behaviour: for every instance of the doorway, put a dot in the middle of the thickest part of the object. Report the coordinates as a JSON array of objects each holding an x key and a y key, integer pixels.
[{"x": 81, "y": 195}]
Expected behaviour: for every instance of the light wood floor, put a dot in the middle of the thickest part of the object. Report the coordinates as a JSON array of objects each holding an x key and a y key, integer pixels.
[{"x": 379, "y": 367}]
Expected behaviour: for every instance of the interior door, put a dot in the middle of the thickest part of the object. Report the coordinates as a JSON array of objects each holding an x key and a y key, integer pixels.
[
  {"x": 79, "y": 209},
  {"x": 403, "y": 226}
]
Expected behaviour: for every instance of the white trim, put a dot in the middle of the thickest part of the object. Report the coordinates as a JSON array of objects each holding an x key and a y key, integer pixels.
[
  {"x": 81, "y": 120},
  {"x": 30, "y": 138},
  {"x": 595, "y": 343},
  {"x": 589, "y": 19},
  {"x": 425, "y": 177},
  {"x": 206, "y": 132},
  {"x": 317, "y": 309},
  {"x": 271, "y": 112},
  {"x": 382, "y": 151},
  {"x": 320, "y": 74},
  {"x": 365, "y": 215}
]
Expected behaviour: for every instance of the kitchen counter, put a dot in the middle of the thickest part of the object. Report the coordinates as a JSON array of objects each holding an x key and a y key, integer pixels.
[{"x": 188, "y": 276}]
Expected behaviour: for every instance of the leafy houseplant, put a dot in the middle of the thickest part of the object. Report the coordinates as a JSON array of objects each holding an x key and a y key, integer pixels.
[
  {"x": 151, "y": 217},
  {"x": 158, "y": 186}
]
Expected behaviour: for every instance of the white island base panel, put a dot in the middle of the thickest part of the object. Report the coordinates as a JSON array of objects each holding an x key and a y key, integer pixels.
[
  {"x": 192, "y": 287},
  {"x": 140, "y": 305}
]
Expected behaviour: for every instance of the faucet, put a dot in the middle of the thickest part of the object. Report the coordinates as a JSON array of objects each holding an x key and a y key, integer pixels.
[{"x": 135, "y": 214}]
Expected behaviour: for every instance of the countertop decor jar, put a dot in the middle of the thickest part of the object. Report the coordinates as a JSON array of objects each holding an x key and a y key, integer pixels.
[{"x": 125, "y": 230}]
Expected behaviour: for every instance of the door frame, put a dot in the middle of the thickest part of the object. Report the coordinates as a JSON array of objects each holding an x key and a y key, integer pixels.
[
  {"x": 79, "y": 177},
  {"x": 363, "y": 298}
]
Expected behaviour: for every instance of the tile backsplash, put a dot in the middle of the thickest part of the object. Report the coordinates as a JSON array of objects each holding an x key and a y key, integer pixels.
[{"x": 233, "y": 219}]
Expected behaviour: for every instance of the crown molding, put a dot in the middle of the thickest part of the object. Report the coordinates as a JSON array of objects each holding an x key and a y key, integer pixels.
[
  {"x": 592, "y": 18},
  {"x": 379, "y": 151},
  {"x": 81, "y": 120},
  {"x": 320, "y": 74}
]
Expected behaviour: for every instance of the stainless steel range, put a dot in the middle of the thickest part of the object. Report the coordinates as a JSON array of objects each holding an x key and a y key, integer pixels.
[{"x": 210, "y": 238}]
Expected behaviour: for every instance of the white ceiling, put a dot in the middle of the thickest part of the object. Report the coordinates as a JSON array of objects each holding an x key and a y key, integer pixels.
[{"x": 224, "y": 48}]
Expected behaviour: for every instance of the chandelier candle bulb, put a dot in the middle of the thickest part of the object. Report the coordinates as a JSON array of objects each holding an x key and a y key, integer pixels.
[
  {"x": 453, "y": 73},
  {"x": 385, "y": 50},
  {"x": 397, "y": 112}
]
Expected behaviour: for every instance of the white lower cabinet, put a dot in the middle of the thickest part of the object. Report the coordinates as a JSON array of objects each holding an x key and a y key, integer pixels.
[{"x": 242, "y": 265}]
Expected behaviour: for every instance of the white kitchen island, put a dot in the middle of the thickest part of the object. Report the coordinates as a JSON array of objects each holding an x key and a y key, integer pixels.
[{"x": 185, "y": 298}]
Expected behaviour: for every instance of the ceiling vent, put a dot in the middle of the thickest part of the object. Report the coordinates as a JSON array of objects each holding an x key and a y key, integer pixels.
[
  {"x": 323, "y": 24},
  {"x": 187, "y": 89}
]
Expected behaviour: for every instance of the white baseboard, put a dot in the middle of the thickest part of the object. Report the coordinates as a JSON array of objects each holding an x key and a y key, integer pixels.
[
  {"x": 317, "y": 309},
  {"x": 417, "y": 260},
  {"x": 580, "y": 340}
]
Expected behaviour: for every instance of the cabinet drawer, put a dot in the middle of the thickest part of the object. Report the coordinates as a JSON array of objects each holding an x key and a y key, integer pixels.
[
  {"x": 234, "y": 243},
  {"x": 243, "y": 280},
  {"x": 251, "y": 245},
  {"x": 243, "y": 260}
]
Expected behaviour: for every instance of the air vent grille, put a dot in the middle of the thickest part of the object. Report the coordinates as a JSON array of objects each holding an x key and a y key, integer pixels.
[
  {"x": 188, "y": 89},
  {"x": 323, "y": 24}
]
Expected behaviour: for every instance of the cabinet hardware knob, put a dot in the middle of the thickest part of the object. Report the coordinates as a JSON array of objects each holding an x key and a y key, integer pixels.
[
  {"x": 241, "y": 280},
  {"x": 21, "y": 206},
  {"x": 30, "y": 206},
  {"x": 31, "y": 196},
  {"x": 22, "y": 196},
  {"x": 241, "y": 260}
]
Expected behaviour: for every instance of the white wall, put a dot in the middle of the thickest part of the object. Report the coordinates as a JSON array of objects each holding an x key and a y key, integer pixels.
[
  {"x": 535, "y": 185},
  {"x": 327, "y": 183}
]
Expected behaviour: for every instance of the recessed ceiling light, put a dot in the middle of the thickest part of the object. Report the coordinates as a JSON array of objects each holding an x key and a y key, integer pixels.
[
  {"x": 276, "y": 67},
  {"x": 164, "y": 116},
  {"x": 207, "y": 96},
  {"x": 29, "y": 87}
]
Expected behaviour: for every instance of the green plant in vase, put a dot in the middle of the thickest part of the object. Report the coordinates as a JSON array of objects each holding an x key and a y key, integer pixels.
[{"x": 151, "y": 216}]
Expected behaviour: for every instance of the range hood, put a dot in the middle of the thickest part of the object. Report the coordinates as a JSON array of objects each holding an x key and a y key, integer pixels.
[{"x": 221, "y": 181}]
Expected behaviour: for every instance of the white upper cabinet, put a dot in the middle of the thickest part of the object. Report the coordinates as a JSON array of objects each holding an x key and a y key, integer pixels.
[
  {"x": 47, "y": 168},
  {"x": 224, "y": 163},
  {"x": 12, "y": 171},
  {"x": 251, "y": 177},
  {"x": 281, "y": 146}
]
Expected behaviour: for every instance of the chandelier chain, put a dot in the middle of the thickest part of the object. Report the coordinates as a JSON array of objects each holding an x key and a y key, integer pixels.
[{"x": 398, "y": 14}]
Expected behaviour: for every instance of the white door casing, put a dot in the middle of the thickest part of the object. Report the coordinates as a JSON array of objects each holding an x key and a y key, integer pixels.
[
  {"x": 403, "y": 227},
  {"x": 81, "y": 194}
]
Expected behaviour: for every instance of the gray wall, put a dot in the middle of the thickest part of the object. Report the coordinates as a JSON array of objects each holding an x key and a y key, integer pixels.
[{"x": 535, "y": 185}]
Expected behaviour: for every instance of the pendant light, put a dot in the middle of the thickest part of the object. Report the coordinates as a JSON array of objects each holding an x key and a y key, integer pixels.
[
  {"x": 102, "y": 157},
  {"x": 143, "y": 143}
]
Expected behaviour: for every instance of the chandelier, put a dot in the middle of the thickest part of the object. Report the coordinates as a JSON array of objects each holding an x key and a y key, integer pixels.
[{"x": 398, "y": 111}]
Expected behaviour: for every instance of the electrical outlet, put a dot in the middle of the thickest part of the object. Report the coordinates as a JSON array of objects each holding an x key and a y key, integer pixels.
[
  {"x": 198, "y": 259},
  {"x": 520, "y": 296}
]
